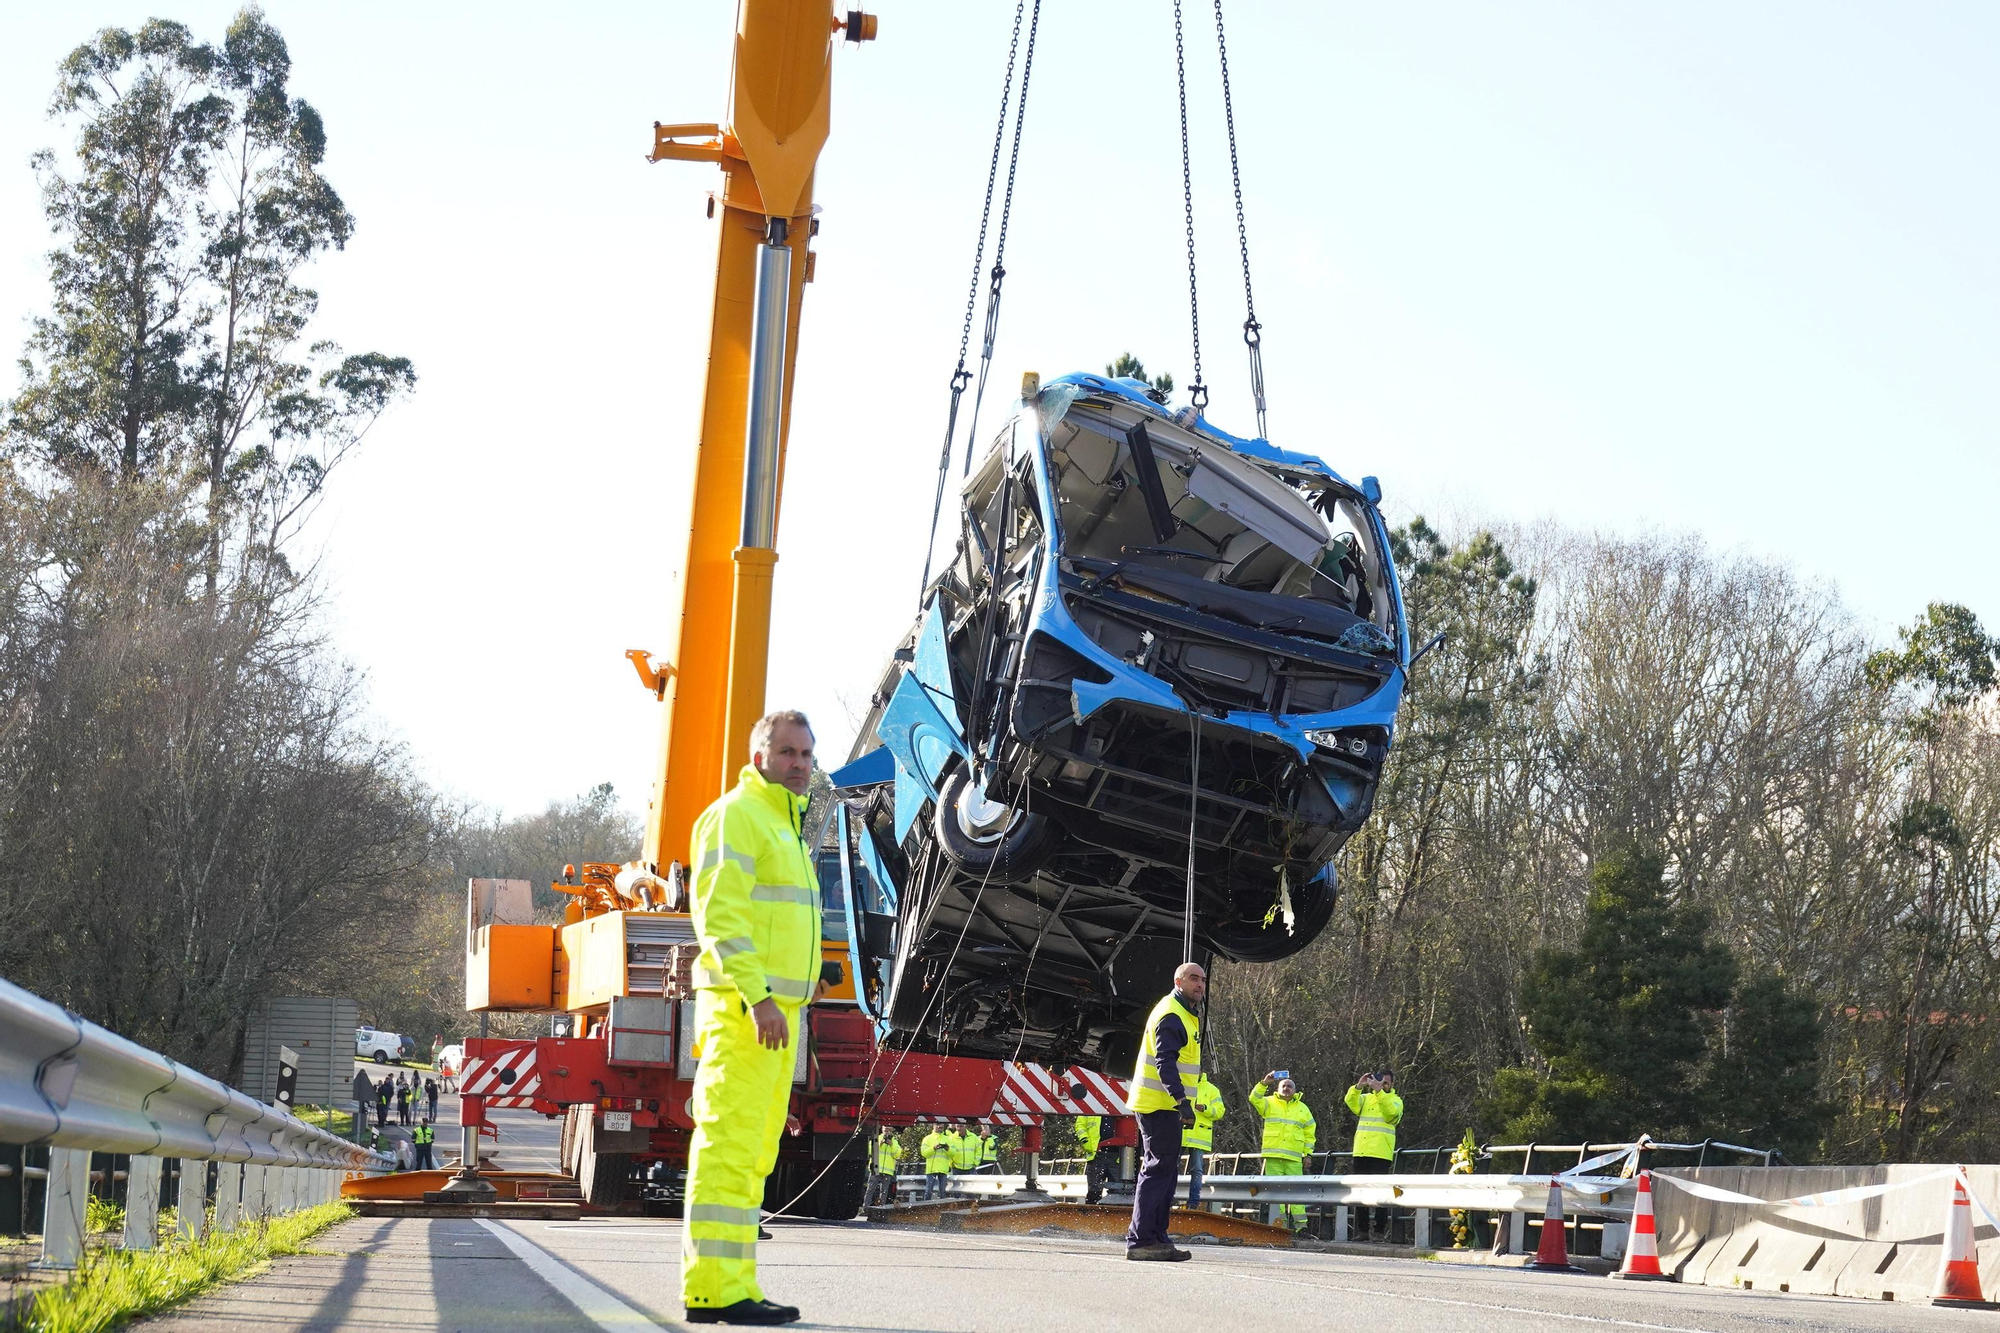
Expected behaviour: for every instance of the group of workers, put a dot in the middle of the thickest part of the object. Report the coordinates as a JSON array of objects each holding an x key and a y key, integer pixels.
[
  {"x": 404, "y": 1091},
  {"x": 756, "y": 915}
]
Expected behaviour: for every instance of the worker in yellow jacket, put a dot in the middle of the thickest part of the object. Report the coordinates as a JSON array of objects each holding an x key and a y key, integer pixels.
[
  {"x": 756, "y": 913},
  {"x": 936, "y": 1150},
  {"x": 989, "y": 1152},
  {"x": 965, "y": 1152},
  {"x": 1096, "y": 1160},
  {"x": 1198, "y": 1141},
  {"x": 882, "y": 1184},
  {"x": 1378, "y": 1109},
  {"x": 1289, "y": 1134}
]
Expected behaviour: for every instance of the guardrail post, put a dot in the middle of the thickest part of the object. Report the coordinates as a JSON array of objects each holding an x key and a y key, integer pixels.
[
  {"x": 62, "y": 1219},
  {"x": 13, "y": 1190},
  {"x": 1517, "y": 1233},
  {"x": 1340, "y": 1223},
  {"x": 228, "y": 1195},
  {"x": 1420, "y": 1233},
  {"x": 191, "y": 1199},
  {"x": 142, "y": 1202},
  {"x": 256, "y": 1199},
  {"x": 288, "y": 1189}
]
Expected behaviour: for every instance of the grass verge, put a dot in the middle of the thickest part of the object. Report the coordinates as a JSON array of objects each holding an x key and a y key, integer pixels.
[{"x": 113, "y": 1286}]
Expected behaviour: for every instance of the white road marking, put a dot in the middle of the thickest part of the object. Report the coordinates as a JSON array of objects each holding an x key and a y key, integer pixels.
[
  {"x": 1607, "y": 1320},
  {"x": 594, "y": 1302}
]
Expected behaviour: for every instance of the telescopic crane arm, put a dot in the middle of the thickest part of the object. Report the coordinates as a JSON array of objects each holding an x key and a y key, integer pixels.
[{"x": 712, "y": 685}]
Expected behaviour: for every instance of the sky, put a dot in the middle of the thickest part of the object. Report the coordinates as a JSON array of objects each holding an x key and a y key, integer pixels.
[{"x": 1714, "y": 268}]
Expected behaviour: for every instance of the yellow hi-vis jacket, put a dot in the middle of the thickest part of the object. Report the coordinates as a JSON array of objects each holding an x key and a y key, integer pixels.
[
  {"x": 936, "y": 1149},
  {"x": 965, "y": 1151},
  {"x": 1289, "y": 1129},
  {"x": 756, "y": 896},
  {"x": 1207, "y": 1110},
  {"x": 887, "y": 1153},
  {"x": 1375, "y": 1131},
  {"x": 989, "y": 1151},
  {"x": 1089, "y": 1129},
  {"x": 1149, "y": 1093}
]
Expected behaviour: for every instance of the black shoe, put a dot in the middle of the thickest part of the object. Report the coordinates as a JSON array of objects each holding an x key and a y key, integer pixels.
[
  {"x": 743, "y": 1312},
  {"x": 1157, "y": 1254},
  {"x": 763, "y": 1234}
]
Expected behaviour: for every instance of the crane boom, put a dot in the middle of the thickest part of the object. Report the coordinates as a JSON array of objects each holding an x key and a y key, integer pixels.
[{"x": 713, "y": 683}]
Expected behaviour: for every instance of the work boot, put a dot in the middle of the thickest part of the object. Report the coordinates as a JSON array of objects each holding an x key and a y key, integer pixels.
[
  {"x": 743, "y": 1312},
  {"x": 1157, "y": 1254}
]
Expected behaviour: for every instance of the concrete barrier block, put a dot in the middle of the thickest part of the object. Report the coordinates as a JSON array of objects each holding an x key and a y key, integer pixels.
[{"x": 1865, "y": 1275}]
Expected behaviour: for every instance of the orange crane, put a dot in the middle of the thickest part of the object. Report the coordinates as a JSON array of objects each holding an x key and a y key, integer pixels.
[{"x": 618, "y": 963}]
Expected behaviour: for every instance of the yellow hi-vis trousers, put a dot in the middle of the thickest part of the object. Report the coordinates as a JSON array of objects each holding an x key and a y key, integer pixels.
[
  {"x": 1293, "y": 1213},
  {"x": 742, "y": 1093}
]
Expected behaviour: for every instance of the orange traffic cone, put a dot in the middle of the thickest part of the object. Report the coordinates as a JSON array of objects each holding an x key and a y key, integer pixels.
[
  {"x": 1958, "y": 1266},
  {"x": 1552, "y": 1255},
  {"x": 1642, "y": 1247}
]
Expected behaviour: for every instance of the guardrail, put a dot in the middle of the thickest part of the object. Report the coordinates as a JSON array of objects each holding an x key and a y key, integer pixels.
[
  {"x": 1521, "y": 1200},
  {"x": 77, "y": 1088}
]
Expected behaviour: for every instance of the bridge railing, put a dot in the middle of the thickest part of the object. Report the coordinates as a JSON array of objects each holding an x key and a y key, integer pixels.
[{"x": 76, "y": 1088}]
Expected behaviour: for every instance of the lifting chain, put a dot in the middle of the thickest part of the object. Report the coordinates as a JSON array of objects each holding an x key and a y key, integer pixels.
[
  {"x": 1000, "y": 243},
  {"x": 1252, "y": 330},
  {"x": 1197, "y": 392},
  {"x": 961, "y": 377}
]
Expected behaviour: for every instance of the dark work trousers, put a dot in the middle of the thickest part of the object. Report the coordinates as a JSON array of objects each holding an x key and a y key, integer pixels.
[
  {"x": 1095, "y": 1172},
  {"x": 1370, "y": 1219},
  {"x": 432, "y": 1093},
  {"x": 381, "y": 1114},
  {"x": 1159, "y": 1177}
]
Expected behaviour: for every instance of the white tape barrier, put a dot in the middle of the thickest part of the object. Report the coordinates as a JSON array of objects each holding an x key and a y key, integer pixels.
[
  {"x": 69, "y": 1083},
  {"x": 1828, "y": 1199}
]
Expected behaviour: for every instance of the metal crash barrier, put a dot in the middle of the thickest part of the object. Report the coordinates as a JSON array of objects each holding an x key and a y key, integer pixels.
[{"x": 76, "y": 1088}]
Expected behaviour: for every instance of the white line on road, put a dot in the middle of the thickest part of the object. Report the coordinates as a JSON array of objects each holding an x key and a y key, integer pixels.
[
  {"x": 596, "y": 1304},
  {"x": 1609, "y": 1320}
]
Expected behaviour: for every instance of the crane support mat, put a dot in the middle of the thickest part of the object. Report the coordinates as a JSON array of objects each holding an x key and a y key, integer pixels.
[
  {"x": 417, "y": 1186},
  {"x": 1099, "y": 1219}
]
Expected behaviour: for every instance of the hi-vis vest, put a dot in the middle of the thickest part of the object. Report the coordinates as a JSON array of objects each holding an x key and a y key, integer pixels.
[
  {"x": 1207, "y": 1100},
  {"x": 1149, "y": 1093},
  {"x": 1378, "y": 1114},
  {"x": 990, "y": 1150},
  {"x": 937, "y": 1154},
  {"x": 756, "y": 895},
  {"x": 423, "y": 1134},
  {"x": 886, "y": 1155},
  {"x": 965, "y": 1151},
  {"x": 1089, "y": 1129},
  {"x": 1290, "y": 1131}
]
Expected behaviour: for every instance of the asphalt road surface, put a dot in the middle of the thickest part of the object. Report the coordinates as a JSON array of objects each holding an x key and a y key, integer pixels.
[{"x": 622, "y": 1274}]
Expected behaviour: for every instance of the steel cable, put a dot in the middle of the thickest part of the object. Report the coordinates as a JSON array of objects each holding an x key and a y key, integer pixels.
[
  {"x": 1252, "y": 331},
  {"x": 1197, "y": 392}
]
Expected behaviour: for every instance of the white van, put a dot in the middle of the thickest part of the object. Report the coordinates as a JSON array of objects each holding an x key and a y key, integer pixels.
[{"x": 384, "y": 1048}]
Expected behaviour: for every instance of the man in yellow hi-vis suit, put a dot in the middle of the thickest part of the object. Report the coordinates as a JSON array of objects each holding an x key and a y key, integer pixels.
[
  {"x": 1289, "y": 1135},
  {"x": 1198, "y": 1141},
  {"x": 966, "y": 1152},
  {"x": 756, "y": 917},
  {"x": 882, "y": 1186},
  {"x": 1378, "y": 1109},
  {"x": 936, "y": 1150}
]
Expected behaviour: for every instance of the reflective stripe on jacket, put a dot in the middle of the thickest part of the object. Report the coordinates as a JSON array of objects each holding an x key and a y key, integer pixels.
[
  {"x": 937, "y": 1154},
  {"x": 1207, "y": 1110},
  {"x": 1089, "y": 1130},
  {"x": 1150, "y": 1091},
  {"x": 756, "y": 896},
  {"x": 887, "y": 1153},
  {"x": 1375, "y": 1130},
  {"x": 1290, "y": 1131}
]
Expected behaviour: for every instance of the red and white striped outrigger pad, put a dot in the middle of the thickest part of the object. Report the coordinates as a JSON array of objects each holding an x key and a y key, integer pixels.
[
  {"x": 1028, "y": 1092},
  {"x": 1031, "y": 1090},
  {"x": 484, "y": 1077}
]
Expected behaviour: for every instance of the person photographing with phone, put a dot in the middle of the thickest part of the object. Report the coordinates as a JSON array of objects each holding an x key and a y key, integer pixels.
[
  {"x": 1378, "y": 1110},
  {"x": 1290, "y": 1132}
]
